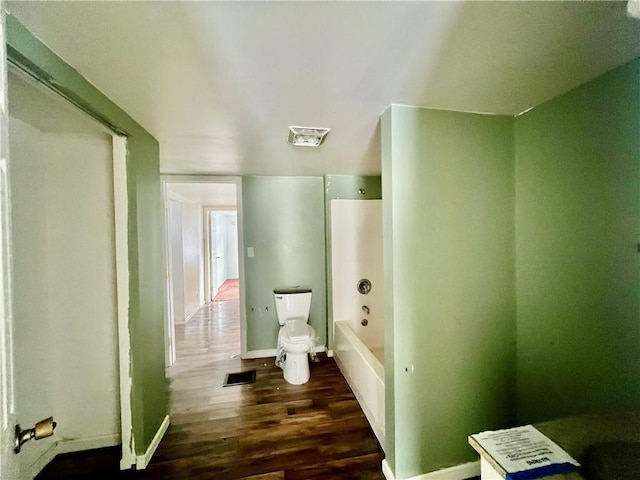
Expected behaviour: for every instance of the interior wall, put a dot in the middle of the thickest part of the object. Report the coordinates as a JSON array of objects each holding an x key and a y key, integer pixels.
[
  {"x": 33, "y": 347},
  {"x": 577, "y": 224},
  {"x": 356, "y": 249},
  {"x": 352, "y": 187},
  {"x": 82, "y": 279},
  {"x": 448, "y": 186},
  {"x": 66, "y": 339},
  {"x": 145, "y": 228},
  {"x": 284, "y": 223},
  {"x": 177, "y": 261},
  {"x": 231, "y": 250},
  {"x": 192, "y": 235},
  {"x": 219, "y": 248}
]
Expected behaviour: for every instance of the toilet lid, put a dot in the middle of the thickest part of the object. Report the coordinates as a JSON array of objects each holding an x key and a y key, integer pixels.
[{"x": 297, "y": 330}]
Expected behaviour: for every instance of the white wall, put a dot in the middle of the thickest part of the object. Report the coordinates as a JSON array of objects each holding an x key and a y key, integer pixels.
[
  {"x": 32, "y": 333},
  {"x": 231, "y": 246},
  {"x": 81, "y": 275},
  {"x": 219, "y": 248},
  {"x": 356, "y": 253},
  {"x": 174, "y": 224},
  {"x": 66, "y": 327},
  {"x": 192, "y": 249}
]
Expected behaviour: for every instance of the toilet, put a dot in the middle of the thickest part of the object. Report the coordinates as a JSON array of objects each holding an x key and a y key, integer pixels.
[{"x": 296, "y": 338}]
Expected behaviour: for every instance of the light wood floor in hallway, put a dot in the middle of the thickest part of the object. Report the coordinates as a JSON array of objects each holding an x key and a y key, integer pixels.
[{"x": 265, "y": 430}]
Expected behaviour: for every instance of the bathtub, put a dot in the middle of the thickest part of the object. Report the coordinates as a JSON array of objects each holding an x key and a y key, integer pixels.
[{"x": 363, "y": 369}]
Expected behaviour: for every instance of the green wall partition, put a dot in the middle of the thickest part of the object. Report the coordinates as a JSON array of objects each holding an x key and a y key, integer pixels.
[
  {"x": 283, "y": 220},
  {"x": 386, "y": 140},
  {"x": 146, "y": 258},
  {"x": 351, "y": 187},
  {"x": 578, "y": 226},
  {"x": 448, "y": 195}
]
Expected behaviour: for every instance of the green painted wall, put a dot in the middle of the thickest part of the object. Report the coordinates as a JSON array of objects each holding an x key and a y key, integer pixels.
[
  {"x": 146, "y": 258},
  {"x": 283, "y": 219},
  {"x": 448, "y": 191},
  {"x": 577, "y": 184},
  {"x": 348, "y": 187}
]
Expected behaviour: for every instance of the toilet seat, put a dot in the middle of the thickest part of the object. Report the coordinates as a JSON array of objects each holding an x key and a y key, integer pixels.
[{"x": 297, "y": 331}]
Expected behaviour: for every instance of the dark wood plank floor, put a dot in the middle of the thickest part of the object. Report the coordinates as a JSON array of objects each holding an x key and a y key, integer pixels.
[{"x": 265, "y": 430}]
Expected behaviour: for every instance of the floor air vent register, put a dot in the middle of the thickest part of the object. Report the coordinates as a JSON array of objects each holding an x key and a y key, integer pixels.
[{"x": 241, "y": 378}]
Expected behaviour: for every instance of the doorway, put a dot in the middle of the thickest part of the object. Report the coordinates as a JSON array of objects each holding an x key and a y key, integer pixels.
[
  {"x": 204, "y": 258},
  {"x": 223, "y": 255},
  {"x": 65, "y": 273}
]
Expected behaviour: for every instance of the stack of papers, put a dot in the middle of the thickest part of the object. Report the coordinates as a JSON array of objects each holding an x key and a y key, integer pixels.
[{"x": 525, "y": 453}]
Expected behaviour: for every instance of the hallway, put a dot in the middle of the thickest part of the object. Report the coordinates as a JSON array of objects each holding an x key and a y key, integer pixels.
[{"x": 265, "y": 430}]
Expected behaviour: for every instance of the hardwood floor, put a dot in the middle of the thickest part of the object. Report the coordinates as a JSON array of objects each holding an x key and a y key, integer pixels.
[{"x": 261, "y": 431}]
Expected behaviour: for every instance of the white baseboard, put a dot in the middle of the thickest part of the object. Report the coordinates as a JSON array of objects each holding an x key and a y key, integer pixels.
[
  {"x": 272, "y": 352},
  {"x": 90, "y": 443},
  {"x": 196, "y": 310},
  {"x": 143, "y": 460},
  {"x": 42, "y": 461},
  {"x": 68, "y": 446},
  {"x": 329, "y": 353},
  {"x": 386, "y": 470},
  {"x": 457, "y": 472}
]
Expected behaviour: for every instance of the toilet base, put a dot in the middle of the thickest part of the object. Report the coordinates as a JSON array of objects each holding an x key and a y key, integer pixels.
[{"x": 296, "y": 368}]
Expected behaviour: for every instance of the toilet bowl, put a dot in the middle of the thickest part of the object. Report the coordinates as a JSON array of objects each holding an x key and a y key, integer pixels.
[
  {"x": 296, "y": 338},
  {"x": 296, "y": 350}
]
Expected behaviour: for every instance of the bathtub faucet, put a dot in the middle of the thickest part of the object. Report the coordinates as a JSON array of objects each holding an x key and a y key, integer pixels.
[{"x": 365, "y": 309}]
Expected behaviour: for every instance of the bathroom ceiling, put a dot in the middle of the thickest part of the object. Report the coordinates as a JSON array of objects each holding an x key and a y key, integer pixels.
[{"x": 218, "y": 83}]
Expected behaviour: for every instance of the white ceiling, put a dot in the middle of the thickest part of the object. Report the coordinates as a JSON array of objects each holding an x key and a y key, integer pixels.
[{"x": 219, "y": 82}]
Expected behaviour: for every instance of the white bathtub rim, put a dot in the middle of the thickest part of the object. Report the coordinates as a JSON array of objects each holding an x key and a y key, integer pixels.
[
  {"x": 374, "y": 367},
  {"x": 377, "y": 430},
  {"x": 362, "y": 349}
]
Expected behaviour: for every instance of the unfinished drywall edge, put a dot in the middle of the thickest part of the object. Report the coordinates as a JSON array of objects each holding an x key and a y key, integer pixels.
[{"x": 121, "y": 215}]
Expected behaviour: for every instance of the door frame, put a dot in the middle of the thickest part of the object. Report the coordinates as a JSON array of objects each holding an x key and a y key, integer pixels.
[
  {"x": 213, "y": 179},
  {"x": 208, "y": 243},
  {"x": 26, "y": 52},
  {"x": 121, "y": 256},
  {"x": 121, "y": 221},
  {"x": 9, "y": 465}
]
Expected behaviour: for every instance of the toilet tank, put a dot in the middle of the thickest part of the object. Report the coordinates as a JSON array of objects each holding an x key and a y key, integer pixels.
[{"x": 292, "y": 303}]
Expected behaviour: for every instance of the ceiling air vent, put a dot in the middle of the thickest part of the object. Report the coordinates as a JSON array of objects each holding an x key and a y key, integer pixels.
[{"x": 307, "y": 136}]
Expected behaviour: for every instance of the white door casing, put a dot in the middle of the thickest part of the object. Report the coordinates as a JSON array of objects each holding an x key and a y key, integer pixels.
[
  {"x": 176, "y": 255},
  {"x": 9, "y": 467},
  {"x": 10, "y": 388},
  {"x": 207, "y": 240}
]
